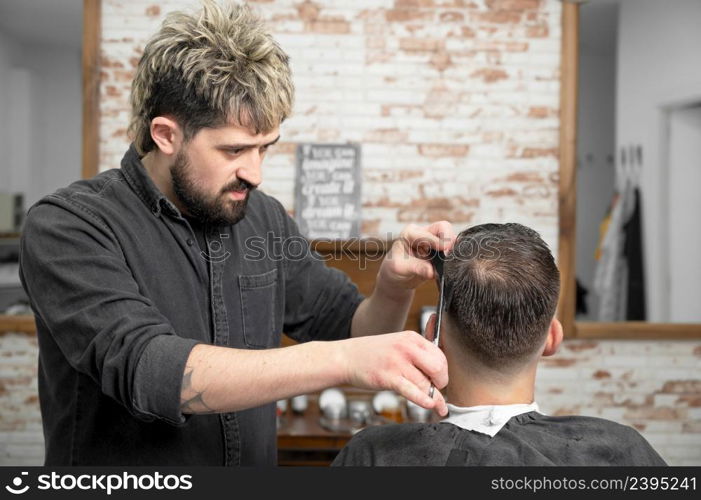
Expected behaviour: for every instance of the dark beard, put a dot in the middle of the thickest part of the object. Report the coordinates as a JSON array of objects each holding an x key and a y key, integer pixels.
[{"x": 216, "y": 211}]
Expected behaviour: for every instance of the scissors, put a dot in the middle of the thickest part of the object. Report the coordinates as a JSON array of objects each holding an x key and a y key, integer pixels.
[{"x": 437, "y": 259}]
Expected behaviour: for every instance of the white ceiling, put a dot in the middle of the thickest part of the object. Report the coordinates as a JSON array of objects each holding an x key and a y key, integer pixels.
[{"x": 48, "y": 22}]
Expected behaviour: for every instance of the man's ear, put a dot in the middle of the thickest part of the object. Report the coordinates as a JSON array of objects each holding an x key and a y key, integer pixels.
[
  {"x": 167, "y": 135},
  {"x": 554, "y": 338}
]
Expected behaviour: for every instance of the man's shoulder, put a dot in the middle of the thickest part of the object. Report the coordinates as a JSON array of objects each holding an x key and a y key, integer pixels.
[
  {"x": 399, "y": 444},
  {"x": 87, "y": 195},
  {"x": 398, "y": 431},
  {"x": 92, "y": 201},
  {"x": 585, "y": 423},
  {"x": 624, "y": 443}
]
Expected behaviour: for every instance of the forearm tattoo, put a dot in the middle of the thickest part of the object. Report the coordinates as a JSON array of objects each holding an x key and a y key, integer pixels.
[{"x": 192, "y": 401}]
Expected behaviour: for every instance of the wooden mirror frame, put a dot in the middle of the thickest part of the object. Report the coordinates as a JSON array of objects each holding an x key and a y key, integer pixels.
[
  {"x": 92, "y": 30},
  {"x": 636, "y": 330}
]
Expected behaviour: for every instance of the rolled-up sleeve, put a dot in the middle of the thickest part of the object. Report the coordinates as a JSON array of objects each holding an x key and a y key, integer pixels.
[
  {"x": 163, "y": 360},
  {"x": 81, "y": 287}
]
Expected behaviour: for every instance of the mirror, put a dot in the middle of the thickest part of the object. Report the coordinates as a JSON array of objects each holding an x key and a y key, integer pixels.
[
  {"x": 638, "y": 162},
  {"x": 41, "y": 107}
]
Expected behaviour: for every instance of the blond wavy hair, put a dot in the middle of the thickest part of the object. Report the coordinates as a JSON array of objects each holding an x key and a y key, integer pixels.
[{"x": 207, "y": 69}]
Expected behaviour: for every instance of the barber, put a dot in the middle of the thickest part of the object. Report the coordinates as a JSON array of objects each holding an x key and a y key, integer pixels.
[{"x": 158, "y": 320}]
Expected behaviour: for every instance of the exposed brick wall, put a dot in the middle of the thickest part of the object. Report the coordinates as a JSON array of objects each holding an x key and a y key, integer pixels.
[
  {"x": 455, "y": 103},
  {"x": 21, "y": 438},
  {"x": 652, "y": 386}
]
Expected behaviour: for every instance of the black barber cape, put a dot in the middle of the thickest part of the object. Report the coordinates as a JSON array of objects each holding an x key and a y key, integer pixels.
[{"x": 527, "y": 439}]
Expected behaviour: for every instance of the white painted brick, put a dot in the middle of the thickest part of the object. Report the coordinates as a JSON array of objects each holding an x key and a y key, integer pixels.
[
  {"x": 691, "y": 453},
  {"x": 683, "y": 462},
  {"x": 665, "y": 427}
]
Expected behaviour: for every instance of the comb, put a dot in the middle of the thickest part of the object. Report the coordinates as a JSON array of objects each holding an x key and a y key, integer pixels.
[{"x": 437, "y": 259}]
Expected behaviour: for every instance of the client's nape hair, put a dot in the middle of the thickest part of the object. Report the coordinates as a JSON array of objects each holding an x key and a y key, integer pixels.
[
  {"x": 211, "y": 68},
  {"x": 504, "y": 287}
]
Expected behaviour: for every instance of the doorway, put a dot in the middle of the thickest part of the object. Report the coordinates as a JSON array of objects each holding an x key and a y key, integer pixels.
[{"x": 684, "y": 182}]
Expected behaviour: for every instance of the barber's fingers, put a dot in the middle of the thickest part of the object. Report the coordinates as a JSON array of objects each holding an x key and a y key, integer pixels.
[
  {"x": 418, "y": 393},
  {"x": 421, "y": 239},
  {"x": 402, "y": 361},
  {"x": 434, "y": 401},
  {"x": 440, "y": 405},
  {"x": 431, "y": 361},
  {"x": 410, "y": 257},
  {"x": 423, "y": 268},
  {"x": 417, "y": 241},
  {"x": 445, "y": 233}
]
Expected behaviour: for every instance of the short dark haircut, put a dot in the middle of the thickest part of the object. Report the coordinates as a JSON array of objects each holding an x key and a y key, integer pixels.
[{"x": 503, "y": 289}]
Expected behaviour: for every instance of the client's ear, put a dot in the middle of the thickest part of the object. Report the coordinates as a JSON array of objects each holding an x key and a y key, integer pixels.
[{"x": 554, "y": 338}]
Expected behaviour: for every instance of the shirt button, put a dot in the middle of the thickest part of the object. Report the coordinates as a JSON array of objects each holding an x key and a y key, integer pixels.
[{"x": 190, "y": 242}]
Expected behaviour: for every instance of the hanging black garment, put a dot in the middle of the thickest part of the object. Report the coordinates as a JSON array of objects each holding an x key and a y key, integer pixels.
[
  {"x": 581, "y": 301},
  {"x": 633, "y": 253}
]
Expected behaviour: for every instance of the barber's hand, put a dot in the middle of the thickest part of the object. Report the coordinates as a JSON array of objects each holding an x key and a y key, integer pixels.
[
  {"x": 404, "y": 362},
  {"x": 406, "y": 265}
]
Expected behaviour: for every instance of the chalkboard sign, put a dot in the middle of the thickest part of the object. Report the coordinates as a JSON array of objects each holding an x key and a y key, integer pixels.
[{"x": 327, "y": 191}]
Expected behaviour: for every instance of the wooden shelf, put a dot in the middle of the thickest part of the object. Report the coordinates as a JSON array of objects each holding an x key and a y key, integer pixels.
[
  {"x": 23, "y": 324},
  {"x": 637, "y": 330}
]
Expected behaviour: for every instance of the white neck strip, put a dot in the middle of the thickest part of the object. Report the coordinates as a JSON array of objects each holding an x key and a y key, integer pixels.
[{"x": 487, "y": 419}]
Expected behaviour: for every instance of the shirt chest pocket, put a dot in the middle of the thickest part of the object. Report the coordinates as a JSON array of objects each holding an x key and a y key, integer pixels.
[{"x": 258, "y": 311}]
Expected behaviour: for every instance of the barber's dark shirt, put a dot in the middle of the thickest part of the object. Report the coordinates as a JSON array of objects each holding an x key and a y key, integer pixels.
[
  {"x": 123, "y": 288},
  {"x": 527, "y": 439}
]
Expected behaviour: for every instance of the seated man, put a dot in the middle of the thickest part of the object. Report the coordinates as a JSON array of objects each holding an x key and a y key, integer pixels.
[{"x": 503, "y": 287}]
